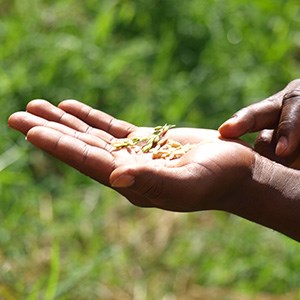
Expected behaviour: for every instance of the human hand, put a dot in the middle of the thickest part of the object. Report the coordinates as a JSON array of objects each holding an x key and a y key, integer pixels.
[
  {"x": 280, "y": 115},
  {"x": 215, "y": 174},
  {"x": 208, "y": 176}
]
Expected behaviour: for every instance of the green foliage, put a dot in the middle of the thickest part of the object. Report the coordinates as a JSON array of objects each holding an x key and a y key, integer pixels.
[{"x": 189, "y": 63}]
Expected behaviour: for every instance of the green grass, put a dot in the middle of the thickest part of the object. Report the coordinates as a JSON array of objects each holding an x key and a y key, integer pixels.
[{"x": 190, "y": 63}]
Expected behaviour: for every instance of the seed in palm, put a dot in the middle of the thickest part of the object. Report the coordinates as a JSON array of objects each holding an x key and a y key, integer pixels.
[{"x": 156, "y": 143}]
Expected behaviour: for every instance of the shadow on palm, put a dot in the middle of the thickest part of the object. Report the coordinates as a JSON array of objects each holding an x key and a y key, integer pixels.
[{"x": 197, "y": 180}]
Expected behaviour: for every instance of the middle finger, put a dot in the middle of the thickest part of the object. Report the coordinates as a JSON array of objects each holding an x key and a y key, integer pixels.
[
  {"x": 24, "y": 121},
  {"x": 48, "y": 111}
]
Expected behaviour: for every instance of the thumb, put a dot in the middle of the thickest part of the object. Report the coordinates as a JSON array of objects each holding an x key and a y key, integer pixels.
[
  {"x": 149, "y": 180},
  {"x": 162, "y": 186},
  {"x": 122, "y": 177}
]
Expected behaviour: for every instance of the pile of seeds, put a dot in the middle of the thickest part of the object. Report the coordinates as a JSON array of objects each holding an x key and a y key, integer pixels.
[
  {"x": 169, "y": 149},
  {"x": 156, "y": 143}
]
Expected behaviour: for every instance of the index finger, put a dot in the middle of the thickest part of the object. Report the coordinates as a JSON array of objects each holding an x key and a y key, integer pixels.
[
  {"x": 258, "y": 116},
  {"x": 97, "y": 118},
  {"x": 50, "y": 112},
  {"x": 255, "y": 117}
]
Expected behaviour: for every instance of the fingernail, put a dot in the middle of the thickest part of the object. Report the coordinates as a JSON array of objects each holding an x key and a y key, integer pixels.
[
  {"x": 226, "y": 127},
  {"x": 281, "y": 146},
  {"x": 123, "y": 181}
]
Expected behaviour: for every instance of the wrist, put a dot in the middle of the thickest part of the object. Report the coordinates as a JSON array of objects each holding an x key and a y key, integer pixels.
[{"x": 270, "y": 197}]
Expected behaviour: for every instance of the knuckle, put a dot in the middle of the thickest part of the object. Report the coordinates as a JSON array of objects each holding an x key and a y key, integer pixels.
[
  {"x": 290, "y": 116},
  {"x": 85, "y": 153},
  {"x": 294, "y": 83},
  {"x": 286, "y": 126},
  {"x": 265, "y": 137},
  {"x": 292, "y": 96},
  {"x": 265, "y": 144}
]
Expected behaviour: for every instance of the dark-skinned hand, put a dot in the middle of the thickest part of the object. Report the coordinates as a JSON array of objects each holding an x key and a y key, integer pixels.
[
  {"x": 277, "y": 118},
  {"x": 82, "y": 137}
]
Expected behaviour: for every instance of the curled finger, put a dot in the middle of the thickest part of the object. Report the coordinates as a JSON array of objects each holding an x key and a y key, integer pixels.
[
  {"x": 288, "y": 133},
  {"x": 258, "y": 116}
]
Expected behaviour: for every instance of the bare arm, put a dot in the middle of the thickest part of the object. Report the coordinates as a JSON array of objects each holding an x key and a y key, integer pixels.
[
  {"x": 216, "y": 174},
  {"x": 271, "y": 197}
]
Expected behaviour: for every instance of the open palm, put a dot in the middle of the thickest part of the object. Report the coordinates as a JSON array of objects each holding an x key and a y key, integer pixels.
[{"x": 203, "y": 178}]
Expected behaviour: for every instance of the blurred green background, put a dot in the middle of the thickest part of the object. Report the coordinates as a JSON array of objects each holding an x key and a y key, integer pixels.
[{"x": 191, "y": 63}]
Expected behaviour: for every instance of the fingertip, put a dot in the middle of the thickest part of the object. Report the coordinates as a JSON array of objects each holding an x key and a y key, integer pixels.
[
  {"x": 67, "y": 103},
  {"x": 41, "y": 136},
  {"x": 33, "y": 104},
  {"x": 225, "y": 128},
  {"x": 19, "y": 121},
  {"x": 286, "y": 146},
  {"x": 32, "y": 133},
  {"x": 13, "y": 119},
  {"x": 282, "y": 146},
  {"x": 230, "y": 128}
]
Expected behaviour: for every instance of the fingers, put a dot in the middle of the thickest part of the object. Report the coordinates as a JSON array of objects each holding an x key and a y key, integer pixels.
[
  {"x": 24, "y": 121},
  {"x": 97, "y": 119},
  {"x": 288, "y": 133},
  {"x": 81, "y": 117},
  {"x": 283, "y": 115},
  {"x": 258, "y": 116},
  {"x": 265, "y": 145},
  {"x": 280, "y": 112},
  {"x": 49, "y": 112},
  {"x": 92, "y": 161}
]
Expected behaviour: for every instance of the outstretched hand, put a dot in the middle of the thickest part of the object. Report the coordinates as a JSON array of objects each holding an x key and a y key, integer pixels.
[
  {"x": 215, "y": 174},
  {"x": 278, "y": 119},
  {"x": 206, "y": 177}
]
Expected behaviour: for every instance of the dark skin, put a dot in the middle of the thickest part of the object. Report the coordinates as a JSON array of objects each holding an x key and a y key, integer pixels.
[
  {"x": 82, "y": 137},
  {"x": 218, "y": 173},
  {"x": 277, "y": 120}
]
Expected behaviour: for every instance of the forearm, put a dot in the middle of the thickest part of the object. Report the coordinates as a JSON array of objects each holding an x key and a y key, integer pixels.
[{"x": 271, "y": 197}]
